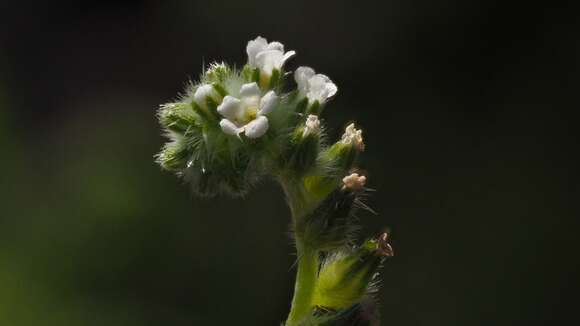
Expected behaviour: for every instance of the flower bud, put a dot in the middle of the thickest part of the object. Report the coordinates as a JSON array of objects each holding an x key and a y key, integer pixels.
[
  {"x": 343, "y": 154},
  {"x": 220, "y": 173},
  {"x": 217, "y": 73},
  {"x": 303, "y": 148},
  {"x": 354, "y": 182},
  {"x": 205, "y": 101},
  {"x": 173, "y": 156},
  {"x": 177, "y": 117},
  {"x": 312, "y": 125},
  {"x": 330, "y": 225},
  {"x": 345, "y": 277},
  {"x": 353, "y": 137}
]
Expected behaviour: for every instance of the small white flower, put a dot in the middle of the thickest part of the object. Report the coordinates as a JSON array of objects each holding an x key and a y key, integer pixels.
[
  {"x": 316, "y": 87},
  {"x": 312, "y": 125},
  {"x": 354, "y": 182},
  {"x": 247, "y": 113},
  {"x": 353, "y": 136},
  {"x": 203, "y": 92},
  {"x": 267, "y": 56}
]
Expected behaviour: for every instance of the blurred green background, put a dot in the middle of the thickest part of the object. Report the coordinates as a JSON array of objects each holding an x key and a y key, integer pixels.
[{"x": 466, "y": 108}]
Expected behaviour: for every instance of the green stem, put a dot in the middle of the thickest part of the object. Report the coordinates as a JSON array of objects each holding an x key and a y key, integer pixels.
[
  {"x": 305, "y": 283},
  {"x": 308, "y": 260}
]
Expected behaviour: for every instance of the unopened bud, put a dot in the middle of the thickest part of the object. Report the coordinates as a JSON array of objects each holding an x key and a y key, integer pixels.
[
  {"x": 177, "y": 117},
  {"x": 312, "y": 125},
  {"x": 346, "y": 277},
  {"x": 353, "y": 136},
  {"x": 354, "y": 182}
]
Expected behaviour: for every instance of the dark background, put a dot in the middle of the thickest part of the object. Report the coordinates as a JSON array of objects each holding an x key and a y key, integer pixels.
[{"x": 467, "y": 108}]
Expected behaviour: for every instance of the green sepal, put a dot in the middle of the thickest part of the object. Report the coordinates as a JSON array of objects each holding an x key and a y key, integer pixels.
[
  {"x": 341, "y": 157},
  {"x": 178, "y": 117},
  {"x": 206, "y": 116},
  {"x": 302, "y": 151},
  {"x": 275, "y": 79},
  {"x": 346, "y": 276},
  {"x": 173, "y": 156},
  {"x": 314, "y": 108},
  {"x": 319, "y": 186},
  {"x": 217, "y": 73},
  {"x": 330, "y": 226},
  {"x": 220, "y": 168},
  {"x": 250, "y": 74},
  {"x": 220, "y": 89},
  {"x": 301, "y": 105},
  {"x": 255, "y": 77}
]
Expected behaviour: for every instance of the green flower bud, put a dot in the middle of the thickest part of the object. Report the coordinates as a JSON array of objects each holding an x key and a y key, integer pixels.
[
  {"x": 314, "y": 108},
  {"x": 217, "y": 73},
  {"x": 178, "y": 117},
  {"x": 301, "y": 105},
  {"x": 250, "y": 74},
  {"x": 221, "y": 177},
  {"x": 223, "y": 172},
  {"x": 173, "y": 156},
  {"x": 303, "y": 148},
  {"x": 346, "y": 276},
  {"x": 330, "y": 225},
  {"x": 343, "y": 154}
]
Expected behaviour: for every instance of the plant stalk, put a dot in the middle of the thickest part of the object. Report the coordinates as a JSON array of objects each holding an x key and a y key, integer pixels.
[
  {"x": 305, "y": 282},
  {"x": 308, "y": 259}
]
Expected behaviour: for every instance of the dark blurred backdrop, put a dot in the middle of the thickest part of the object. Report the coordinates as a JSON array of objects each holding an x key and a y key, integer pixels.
[{"x": 467, "y": 112}]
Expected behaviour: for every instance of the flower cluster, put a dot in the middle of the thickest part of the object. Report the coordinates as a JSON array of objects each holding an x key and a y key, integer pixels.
[{"x": 235, "y": 126}]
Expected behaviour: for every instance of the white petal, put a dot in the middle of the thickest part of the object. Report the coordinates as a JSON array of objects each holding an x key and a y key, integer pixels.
[
  {"x": 229, "y": 127},
  {"x": 302, "y": 75},
  {"x": 275, "y": 46},
  {"x": 230, "y": 107},
  {"x": 317, "y": 89},
  {"x": 323, "y": 76},
  {"x": 269, "y": 59},
  {"x": 202, "y": 92},
  {"x": 287, "y": 56},
  {"x": 268, "y": 102},
  {"x": 254, "y": 47},
  {"x": 331, "y": 89},
  {"x": 250, "y": 89},
  {"x": 257, "y": 127}
]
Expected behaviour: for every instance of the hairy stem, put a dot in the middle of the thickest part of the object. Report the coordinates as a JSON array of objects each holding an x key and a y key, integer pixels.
[
  {"x": 308, "y": 260},
  {"x": 305, "y": 283}
]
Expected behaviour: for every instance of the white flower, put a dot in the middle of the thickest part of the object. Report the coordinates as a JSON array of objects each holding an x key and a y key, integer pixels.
[
  {"x": 267, "y": 56},
  {"x": 316, "y": 87},
  {"x": 247, "y": 113},
  {"x": 312, "y": 125},
  {"x": 203, "y": 92},
  {"x": 353, "y": 136},
  {"x": 354, "y": 182}
]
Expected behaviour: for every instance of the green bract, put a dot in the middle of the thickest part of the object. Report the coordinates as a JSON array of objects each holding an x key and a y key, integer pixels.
[{"x": 233, "y": 127}]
